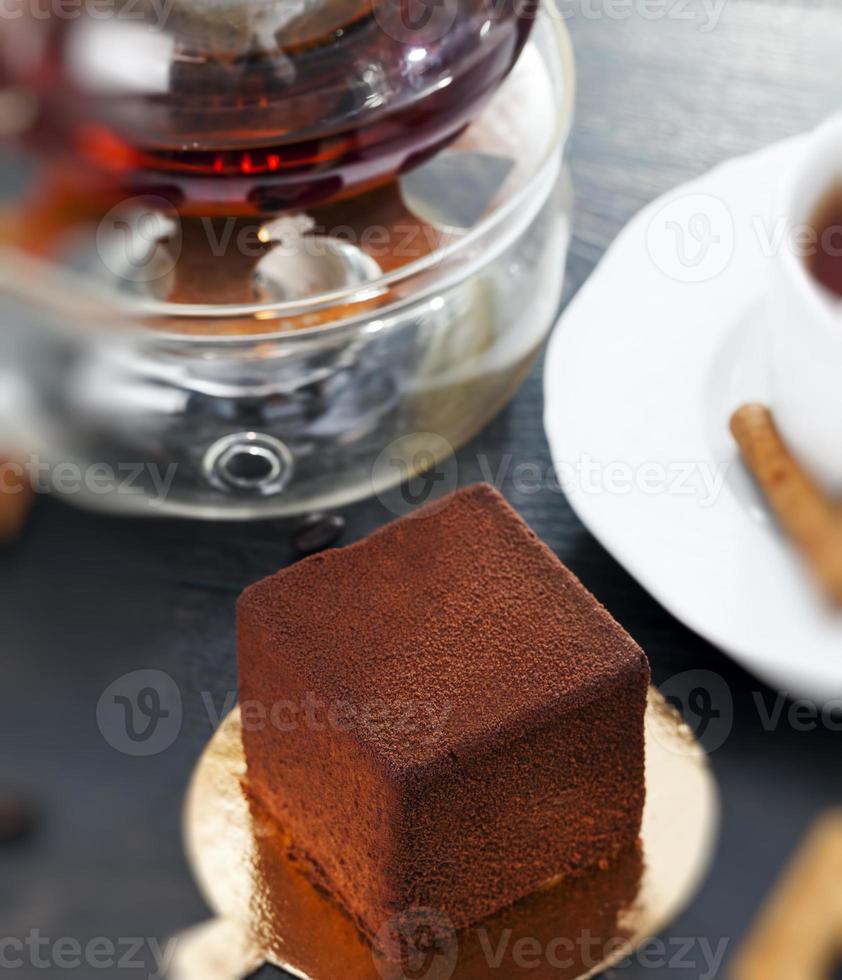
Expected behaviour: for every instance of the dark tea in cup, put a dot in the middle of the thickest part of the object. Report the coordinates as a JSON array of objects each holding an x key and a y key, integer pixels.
[{"x": 825, "y": 262}]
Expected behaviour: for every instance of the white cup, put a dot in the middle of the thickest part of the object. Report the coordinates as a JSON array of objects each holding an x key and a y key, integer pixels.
[{"x": 805, "y": 319}]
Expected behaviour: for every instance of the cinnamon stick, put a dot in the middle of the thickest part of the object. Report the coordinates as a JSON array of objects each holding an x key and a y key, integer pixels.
[
  {"x": 811, "y": 519},
  {"x": 799, "y": 931}
]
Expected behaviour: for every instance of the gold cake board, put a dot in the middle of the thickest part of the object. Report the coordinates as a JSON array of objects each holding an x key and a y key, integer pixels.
[{"x": 268, "y": 912}]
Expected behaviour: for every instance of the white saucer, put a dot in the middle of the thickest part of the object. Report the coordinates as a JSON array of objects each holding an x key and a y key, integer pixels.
[{"x": 642, "y": 374}]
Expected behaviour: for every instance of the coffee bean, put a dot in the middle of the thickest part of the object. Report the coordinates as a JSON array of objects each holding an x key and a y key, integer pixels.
[
  {"x": 317, "y": 532},
  {"x": 17, "y": 820}
]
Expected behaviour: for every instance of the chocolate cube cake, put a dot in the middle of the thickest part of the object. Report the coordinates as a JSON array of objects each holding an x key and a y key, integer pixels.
[{"x": 441, "y": 716}]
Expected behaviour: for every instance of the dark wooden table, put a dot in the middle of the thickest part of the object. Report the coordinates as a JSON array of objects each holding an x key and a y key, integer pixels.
[{"x": 85, "y": 599}]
